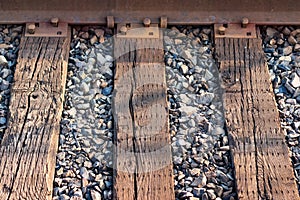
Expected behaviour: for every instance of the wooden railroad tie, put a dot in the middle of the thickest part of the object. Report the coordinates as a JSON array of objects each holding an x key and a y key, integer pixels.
[
  {"x": 143, "y": 159},
  {"x": 260, "y": 155},
  {"x": 29, "y": 145}
]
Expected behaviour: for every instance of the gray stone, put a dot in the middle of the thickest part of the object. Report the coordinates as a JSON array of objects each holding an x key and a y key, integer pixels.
[
  {"x": 64, "y": 197},
  {"x": 2, "y": 120},
  {"x": 188, "y": 110},
  {"x": 4, "y": 85},
  {"x": 84, "y": 173},
  {"x": 222, "y": 176},
  {"x": 219, "y": 191},
  {"x": 289, "y": 87},
  {"x": 5, "y": 73},
  {"x": 205, "y": 196},
  {"x": 271, "y": 32},
  {"x": 291, "y": 101},
  {"x": 177, "y": 160},
  {"x": 205, "y": 98},
  {"x": 72, "y": 112},
  {"x": 109, "y": 58},
  {"x": 199, "y": 181},
  {"x": 296, "y": 93},
  {"x": 187, "y": 55},
  {"x": 83, "y": 106},
  {"x": 198, "y": 192},
  {"x": 185, "y": 99},
  {"x": 84, "y": 88},
  {"x": 101, "y": 59}
]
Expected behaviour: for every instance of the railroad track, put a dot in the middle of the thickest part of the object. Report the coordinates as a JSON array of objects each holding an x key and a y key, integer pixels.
[{"x": 142, "y": 108}]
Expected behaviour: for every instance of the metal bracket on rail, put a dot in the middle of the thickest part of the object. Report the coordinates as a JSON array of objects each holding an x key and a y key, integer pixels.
[
  {"x": 242, "y": 30},
  {"x": 142, "y": 30},
  {"x": 132, "y": 30},
  {"x": 53, "y": 28}
]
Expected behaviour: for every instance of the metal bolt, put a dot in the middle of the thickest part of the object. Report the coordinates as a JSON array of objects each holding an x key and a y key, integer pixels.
[
  {"x": 31, "y": 28},
  {"x": 147, "y": 22},
  {"x": 245, "y": 22},
  {"x": 123, "y": 30},
  {"x": 54, "y": 21},
  {"x": 222, "y": 30}
]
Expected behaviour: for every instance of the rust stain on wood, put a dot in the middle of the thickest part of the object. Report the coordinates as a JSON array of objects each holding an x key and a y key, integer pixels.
[
  {"x": 29, "y": 145},
  {"x": 263, "y": 169},
  {"x": 143, "y": 159}
]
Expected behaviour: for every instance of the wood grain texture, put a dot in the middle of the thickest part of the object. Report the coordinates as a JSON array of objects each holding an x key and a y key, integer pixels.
[
  {"x": 143, "y": 159},
  {"x": 263, "y": 169},
  {"x": 28, "y": 149}
]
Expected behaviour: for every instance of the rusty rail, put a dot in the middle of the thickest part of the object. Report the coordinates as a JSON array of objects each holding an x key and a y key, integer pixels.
[{"x": 177, "y": 11}]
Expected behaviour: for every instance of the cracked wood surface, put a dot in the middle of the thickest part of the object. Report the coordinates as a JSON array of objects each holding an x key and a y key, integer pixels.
[
  {"x": 143, "y": 159},
  {"x": 263, "y": 169},
  {"x": 29, "y": 145}
]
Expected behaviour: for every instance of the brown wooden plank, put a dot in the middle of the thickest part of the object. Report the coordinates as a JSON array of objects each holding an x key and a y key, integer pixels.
[
  {"x": 140, "y": 104},
  {"x": 30, "y": 141},
  {"x": 237, "y": 118},
  {"x": 259, "y": 151},
  {"x": 276, "y": 170}
]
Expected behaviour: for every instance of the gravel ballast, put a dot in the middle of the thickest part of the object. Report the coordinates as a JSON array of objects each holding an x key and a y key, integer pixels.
[
  {"x": 201, "y": 159},
  {"x": 282, "y": 50},
  {"x": 84, "y": 159},
  {"x": 10, "y": 36}
]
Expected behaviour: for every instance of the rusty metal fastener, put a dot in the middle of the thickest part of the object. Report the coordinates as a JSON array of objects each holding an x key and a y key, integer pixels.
[
  {"x": 245, "y": 22},
  {"x": 222, "y": 30},
  {"x": 110, "y": 21},
  {"x": 54, "y": 21},
  {"x": 147, "y": 22},
  {"x": 123, "y": 30},
  {"x": 163, "y": 22},
  {"x": 31, "y": 28}
]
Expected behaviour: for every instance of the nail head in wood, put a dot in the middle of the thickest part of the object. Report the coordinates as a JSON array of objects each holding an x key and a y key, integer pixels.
[
  {"x": 222, "y": 30},
  {"x": 54, "y": 21},
  {"x": 31, "y": 28},
  {"x": 147, "y": 22}
]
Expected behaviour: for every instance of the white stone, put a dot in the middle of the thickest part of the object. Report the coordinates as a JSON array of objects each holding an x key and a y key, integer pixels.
[
  {"x": 101, "y": 59},
  {"x": 95, "y": 195},
  {"x": 188, "y": 110},
  {"x": 3, "y": 61},
  {"x": 184, "y": 69},
  {"x": 295, "y": 81},
  {"x": 72, "y": 112},
  {"x": 84, "y": 88}
]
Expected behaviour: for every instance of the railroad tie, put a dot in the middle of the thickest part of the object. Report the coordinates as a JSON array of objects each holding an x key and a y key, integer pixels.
[
  {"x": 28, "y": 148},
  {"x": 263, "y": 169},
  {"x": 143, "y": 159}
]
